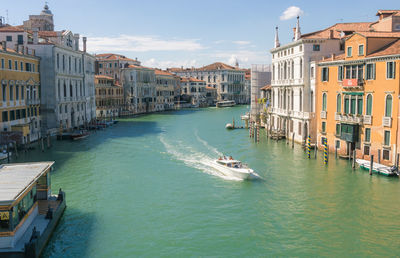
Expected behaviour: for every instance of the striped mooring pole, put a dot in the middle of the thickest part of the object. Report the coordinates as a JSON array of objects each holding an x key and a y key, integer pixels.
[
  {"x": 258, "y": 133},
  {"x": 250, "y": 128},
  {"x": 325, "y": 151},
  {"x": 309, "y": 146}
]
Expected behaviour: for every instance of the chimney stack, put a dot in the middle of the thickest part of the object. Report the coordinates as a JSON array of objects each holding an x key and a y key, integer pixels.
[
  {"x": 331, "y": 34},
  {"x": 35, "y": 35},
  {"x": 333, "y": 57},
  {"x": 76, "y": 41},
  {"x": 84, "y": 44},
  {"x": 4, "y": 45},
  {"x": 22, "y": 49}
]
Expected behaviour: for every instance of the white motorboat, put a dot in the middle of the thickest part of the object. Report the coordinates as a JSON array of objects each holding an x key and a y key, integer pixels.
[
  {"x": 377, "y": 168},
  {"x": 3, "y": 154},
  {"x": 234, "y": 168},
  {"x": 226, "y": 103}
]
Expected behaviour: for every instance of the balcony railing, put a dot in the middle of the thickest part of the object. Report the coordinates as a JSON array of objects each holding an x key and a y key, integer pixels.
[
  {"x": 387, "y": 121},
  {"x": 323, "y": 114},
  {"x": 349, "y": 118},
  {"x": 353, "y": 84},
  {"x": 367, "y": 120}
]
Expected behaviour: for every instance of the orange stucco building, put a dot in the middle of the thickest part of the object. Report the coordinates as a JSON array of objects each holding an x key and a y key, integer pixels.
[{"x": 357, "y": 97}]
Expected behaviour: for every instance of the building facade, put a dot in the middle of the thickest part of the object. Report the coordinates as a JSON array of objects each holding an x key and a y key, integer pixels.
[
  {"x": 165, "y": 90},
  {"x": 109, "y": 97},
  {"x": 293, "y": 94},
  {"x": 228, "y": 80},
  {"x": 358, "y": 97},
  {"x": 195, "y": 89},
  {"x": 112, "y": 64},
  {"x": 139, "y": 85},
  {"x": 20, "y": 100}
]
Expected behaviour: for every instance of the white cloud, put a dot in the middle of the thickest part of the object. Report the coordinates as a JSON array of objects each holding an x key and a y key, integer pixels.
[
  {"x": 244, "y": 57},
  {"x": 128, "y": 43},
  {"x": 241, "y": 42},
  {"x": 152, "y": 62},
  {"x": 291, "y": 12}
]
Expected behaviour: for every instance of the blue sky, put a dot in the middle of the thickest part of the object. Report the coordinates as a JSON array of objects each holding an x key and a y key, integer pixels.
[{"x": 178, "y": 33}]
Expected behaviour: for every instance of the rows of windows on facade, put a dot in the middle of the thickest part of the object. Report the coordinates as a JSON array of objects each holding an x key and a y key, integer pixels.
[{"x": 18, "y": 65}]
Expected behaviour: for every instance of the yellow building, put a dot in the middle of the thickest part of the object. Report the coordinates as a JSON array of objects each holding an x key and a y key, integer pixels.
[
  {"x": 109, "y": 97},
  {"x": 357, "y": 97},
  {"x": 20, "y": 97}
]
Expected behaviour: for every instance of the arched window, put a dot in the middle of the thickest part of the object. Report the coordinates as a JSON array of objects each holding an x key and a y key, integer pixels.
[
  {"x": 388, "y": 106},
  {"x": 339, "y": 103},
  {"x": 292, "y": 70},
  {"x": 369, "y": 105},
  {"x": 324, "y": 102}
]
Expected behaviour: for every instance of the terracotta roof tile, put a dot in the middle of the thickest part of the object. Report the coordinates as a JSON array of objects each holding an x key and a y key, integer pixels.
[
  {"x": 337, "y": 29},
  {"x": 190, "y": 79},
  {"x": 390, "y": 49},
  {"x": 266, "y": 87},
  {"x": 161, "y": 72},
  {"x": 11, "y": 29},
  {"x": 217, "y": 66},
  {"x": 103, "y": 77},
  {"x": 377, "y": 34},
  {"x": 46, "y": 34}
]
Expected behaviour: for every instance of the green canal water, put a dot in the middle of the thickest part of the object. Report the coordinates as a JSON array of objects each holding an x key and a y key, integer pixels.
[{"x": 144, "y": 188}]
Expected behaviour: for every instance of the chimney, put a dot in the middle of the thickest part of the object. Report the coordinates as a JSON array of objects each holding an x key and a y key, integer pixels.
[
  {"x": 333, "y": 57},
  {"x": 22, "y": 49},
  {"x": 84, "y": 44},
  {"x": 76, "y": 41},
  {"x": 331, "y": 34},
  {"x": 4, "y": 45},
  {"x": 35, "y": 35}
]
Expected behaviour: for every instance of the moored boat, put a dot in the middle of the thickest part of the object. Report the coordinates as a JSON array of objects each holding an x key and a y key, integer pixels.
[
  {"x": 234, "y": 168},
  {"x": 226, "y": 103},
  {"x": 378, "y": 168},
  {"x": 78, "y": 135}
]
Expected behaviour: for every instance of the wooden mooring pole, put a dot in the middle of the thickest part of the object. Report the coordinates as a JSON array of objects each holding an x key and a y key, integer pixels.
[
  {"x": 354, "y": 159},
  {"x": 371, "y": 164},
  {"x": 379, "y": 156},
  {"x": 292, "y": 140}
]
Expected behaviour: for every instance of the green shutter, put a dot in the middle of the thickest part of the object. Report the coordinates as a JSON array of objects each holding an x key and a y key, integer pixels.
[
  {"x": 388, "y": 108},
  {"x": 360, "y": 106},
  {"x": 369, "y": 105},
  {"x": 373, "y": 71},
  {"x": 339, "y": 103}
]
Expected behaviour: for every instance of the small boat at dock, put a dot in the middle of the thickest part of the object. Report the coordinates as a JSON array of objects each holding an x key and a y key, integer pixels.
[
  {"x": 226, "y": 103},
  {"x": 234, "y": 168},
  {"x": 378, "y": 168},
  {"x": 78, "y": 135}
]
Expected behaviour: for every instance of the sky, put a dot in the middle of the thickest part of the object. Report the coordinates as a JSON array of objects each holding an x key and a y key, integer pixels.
[{"x": 177, "y": 33}]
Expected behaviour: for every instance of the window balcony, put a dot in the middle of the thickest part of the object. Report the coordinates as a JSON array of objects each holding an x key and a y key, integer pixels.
[
  {"x": 323, "y": 114},
  {"x": 349, "y": 118},
  {"x": 356, "y": 84},
  {"x": 387, "y": 121},
  {"x": 367, "y": 120}
]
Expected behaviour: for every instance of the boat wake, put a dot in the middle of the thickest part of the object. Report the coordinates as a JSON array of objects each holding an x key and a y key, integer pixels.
[{"x": 193, "y": 158}]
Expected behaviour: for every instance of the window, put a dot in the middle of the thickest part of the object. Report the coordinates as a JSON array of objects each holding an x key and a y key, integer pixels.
[
  {"x": 390, "y": 70},
  {"x": 368, "y": 111},
  {"x": 323, "y": 127},
  {"x": 370, "y": 72},
  {"x": 4, "y": 92},
  {"x": 337, "y": 144},
  {"x": 9, "y": 64},
  {"x": 22, "y": 66},
  {"x": 349, "y": 51},
  {"x": 16, "y": 65},
  {"x": 386, "y": 154},
  {"x": 316, "y": 47},
  {"x": 340, "y": 73},
  {"x": 337, "y": 129},
  {"x": 387, "y": 138},
  {"x": 9, "y": 38},
  {"x": 11, "y": 93},
  {"x": 2, "y": 63},
  {"x": 301, "y": 68},
  {"x": 353, "y": 102},
  {"x": 388, "y": 106},
  {"x": 312, "y": 72},
  {"x": 359, "y": 106},
  {"x": 361, "y": 50},
  {"x": 5, "y": 116},
  {"x": 324, "y": 102},
  {"x": 325, "y": 74},
  {"x": 20, "y": 39},
  {"x": 338, "y": 103},
  {"x": 16, "y": 92},
  {"x": 366, "y": 150},
  {"x": 367, "y": 137}
]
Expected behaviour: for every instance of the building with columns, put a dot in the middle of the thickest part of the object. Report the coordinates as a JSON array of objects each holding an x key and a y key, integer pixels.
[
  {"x": 292, "y": 111},
  {"x": 67, "y": 73}
]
